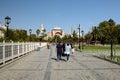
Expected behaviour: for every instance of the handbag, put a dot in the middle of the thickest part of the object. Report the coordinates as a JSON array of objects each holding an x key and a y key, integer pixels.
[{"x": 65, "y": 52}]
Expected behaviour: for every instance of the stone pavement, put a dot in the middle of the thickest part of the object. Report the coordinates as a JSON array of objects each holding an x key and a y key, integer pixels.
[{"x": 43, "y": 66}]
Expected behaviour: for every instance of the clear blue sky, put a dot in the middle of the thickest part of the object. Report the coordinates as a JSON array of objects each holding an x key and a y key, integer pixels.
[{"x": 27, "y": 14}]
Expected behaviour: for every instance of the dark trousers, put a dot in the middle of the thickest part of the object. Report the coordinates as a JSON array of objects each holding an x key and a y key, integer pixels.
[
  {"x": 67, "y": 55},
  {"x": 59, "y": 55}
]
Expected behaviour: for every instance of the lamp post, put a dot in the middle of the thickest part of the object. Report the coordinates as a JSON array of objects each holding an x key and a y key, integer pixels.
[
  {"x": 82, "y": 38},
  {"x": 30, "y": 30},
  {"x": 79, "y": 35},
  {"x": 7, "y": 21},
  {"x": 111, "y": 41}
]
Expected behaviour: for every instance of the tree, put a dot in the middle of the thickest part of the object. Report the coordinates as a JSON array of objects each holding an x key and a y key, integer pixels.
[
  {"x": 37, "y": 32},
  {"x": 64, "y": 39},
  {"x": 117, "y": 33},
  {"x": 104, "y": 32},
  {"x": 56, "y": 39},
  {"x": 22, "y": 35},
  {"x": 88, "y": 37},
  {"x": 105, "y": 29},
  {"x": 33, "y": 37},
  {"x": 74, "y": 37},
  {"x": 16, "y": 35},
  {"x": 10, "y": 35},
  {"x": 43, "y": 32},
  {"x": 95, "y": 33}
]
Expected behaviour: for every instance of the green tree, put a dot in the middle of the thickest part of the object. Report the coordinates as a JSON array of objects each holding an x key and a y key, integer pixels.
[
  {"x": 33, "y": 38},
  {"x": 88, "y": 37},
  {"x": 105, "y": 29},
  {"x": 117, "y": 33},
  {"x": 74, "y": 37},
  {"x": 37, "y": 32},
  {"x": 22, "y": 35},
  {"x": 56, "y": 39},
  {"x": 95, "y": 33},
  {"x": 64, "y": 39},
  {"x": 43, "y": 34},
  {"x": 16, "y": 35}
]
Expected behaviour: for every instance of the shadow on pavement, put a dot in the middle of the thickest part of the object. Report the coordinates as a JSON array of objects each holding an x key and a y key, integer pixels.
[{"x": 57, "y": 60}]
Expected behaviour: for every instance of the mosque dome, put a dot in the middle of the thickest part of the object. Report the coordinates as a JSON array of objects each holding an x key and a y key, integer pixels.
[{"x": 57, "y": 28}]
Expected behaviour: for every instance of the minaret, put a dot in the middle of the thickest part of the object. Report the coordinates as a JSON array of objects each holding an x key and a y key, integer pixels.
[
  {"x": 41, "y": 28},
  {"x": 72, "y": 29}
]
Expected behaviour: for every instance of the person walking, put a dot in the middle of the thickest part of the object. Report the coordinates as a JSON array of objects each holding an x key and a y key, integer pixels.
[
  {"x": 63, "y": 52},
  {"x": 38, "y": 49},
  {"x": 73, "y": 50},
  {"x": 48, "y": 45},
  {"x": 59, "y": 51},
  {"x": 67, "y": 51}
]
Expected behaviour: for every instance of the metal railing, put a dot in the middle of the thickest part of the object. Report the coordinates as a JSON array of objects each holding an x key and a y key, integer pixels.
[{"x": 12, "y": 50}]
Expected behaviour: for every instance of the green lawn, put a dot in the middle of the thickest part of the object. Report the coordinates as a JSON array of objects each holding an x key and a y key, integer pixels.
[{"x": 101, "y": 50}]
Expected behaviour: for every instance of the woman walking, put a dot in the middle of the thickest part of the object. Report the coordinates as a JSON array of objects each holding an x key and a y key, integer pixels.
[{"x": 67, "y": 50}]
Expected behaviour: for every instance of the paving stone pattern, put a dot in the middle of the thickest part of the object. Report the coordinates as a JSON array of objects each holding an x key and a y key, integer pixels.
[{"x": 44, "y": 66}]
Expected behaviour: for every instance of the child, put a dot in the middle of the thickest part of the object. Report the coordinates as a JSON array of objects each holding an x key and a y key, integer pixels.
[{"x": 73, "y": 50}]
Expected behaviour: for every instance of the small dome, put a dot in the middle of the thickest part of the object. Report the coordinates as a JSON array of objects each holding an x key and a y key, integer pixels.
[{"x": 57, "y": 28}]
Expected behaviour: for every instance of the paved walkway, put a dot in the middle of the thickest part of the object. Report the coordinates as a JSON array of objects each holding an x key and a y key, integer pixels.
[{"x": 43, "y": 66}]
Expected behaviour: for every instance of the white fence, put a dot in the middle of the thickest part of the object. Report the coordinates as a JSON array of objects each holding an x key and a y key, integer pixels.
[{"x": 12, "y": 50}]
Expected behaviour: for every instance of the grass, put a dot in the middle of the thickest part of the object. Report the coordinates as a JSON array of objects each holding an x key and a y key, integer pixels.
[
  {"x": 100, "y": 48},
  {"x": 103, "y": 50}
]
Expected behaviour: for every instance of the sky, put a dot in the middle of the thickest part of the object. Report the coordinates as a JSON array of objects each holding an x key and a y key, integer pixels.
[{"x": 66, "y": 14}]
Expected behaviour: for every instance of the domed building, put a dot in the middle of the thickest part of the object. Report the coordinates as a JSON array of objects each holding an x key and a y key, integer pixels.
[{"x": 56, "y": 31}]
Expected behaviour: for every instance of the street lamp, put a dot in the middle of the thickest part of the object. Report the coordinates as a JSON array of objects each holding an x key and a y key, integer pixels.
[
  {"x": 111, "y": 41},
  {"x": 30, "y": 30},
  {"x": 82, "y": 37},
  {"x": 7, "y": 21},
  {"x": 79, "y": 35}
]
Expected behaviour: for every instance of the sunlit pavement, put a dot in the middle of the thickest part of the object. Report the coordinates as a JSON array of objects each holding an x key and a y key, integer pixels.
[{"x": 44, "y": 66}]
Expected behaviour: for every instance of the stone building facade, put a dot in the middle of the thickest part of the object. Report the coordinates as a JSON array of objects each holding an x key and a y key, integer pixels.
[
  {"x": 56, "y": 31},
  {"x": 1, "y": 31}
]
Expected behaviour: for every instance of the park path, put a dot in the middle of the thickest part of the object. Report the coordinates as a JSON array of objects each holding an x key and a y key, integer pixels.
[{"x": 43, "y": 66}]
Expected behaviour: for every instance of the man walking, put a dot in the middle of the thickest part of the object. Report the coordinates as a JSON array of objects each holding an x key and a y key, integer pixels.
[{"x": 59, "y": 51}]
